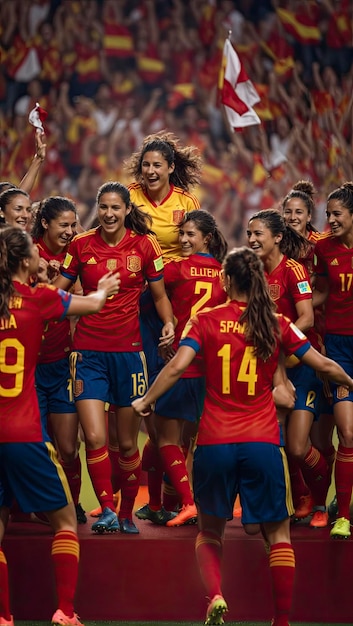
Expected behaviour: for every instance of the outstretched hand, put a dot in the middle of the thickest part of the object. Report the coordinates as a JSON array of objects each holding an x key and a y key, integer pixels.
[{"x": 110, "y": 283}]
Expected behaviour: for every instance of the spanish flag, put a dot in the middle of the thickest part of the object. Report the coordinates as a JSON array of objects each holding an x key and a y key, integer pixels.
[
  {"x": 302, "y": 27},
  {"x": 117, "y": 41}
]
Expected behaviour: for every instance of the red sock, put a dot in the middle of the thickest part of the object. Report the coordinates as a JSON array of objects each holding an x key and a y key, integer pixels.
[
  {"x": 317, "y": 476},
  {"x": 174, "y": 465},
  {"x": 282, "y": 568},
  {"x": 344, "y": 479},
  {"x": 99, "y": 469},
  {"x": 170, "y": 497},
  {"x": 4, "y": 588},
  {"x": 209, "y": 549},
  {"x": 114, "y": 455},
  {"x": 298, "y": 484},
  {"x": 65, "y": 553},
  {"x": 152, "y": 464},
  {"x": 130, "y": 467},
  {"x": 330, "y": 455},
  {"x": 73, "y": 474}
]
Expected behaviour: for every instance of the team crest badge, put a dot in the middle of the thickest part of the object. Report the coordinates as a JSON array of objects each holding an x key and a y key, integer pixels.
[
  {"x": 178, "y": 215},
  {"x": 77, "y": 387},
  {"x": 112, "y": 264},
  {"x": 275, "y": 291},
  {"x": 133, "y": 263},
  {"x": 342, "y": 392}
]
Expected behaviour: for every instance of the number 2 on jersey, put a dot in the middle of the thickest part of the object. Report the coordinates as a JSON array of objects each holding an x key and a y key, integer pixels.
[
  {"x": 247, "y": 370},
  {"x": 200, "y": 286}
]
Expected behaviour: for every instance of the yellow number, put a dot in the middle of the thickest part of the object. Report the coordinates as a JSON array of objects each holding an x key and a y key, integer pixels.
[
  {"x": 138, "y": 384},
  {"x": 201, "y": 286},
  {"x": 346, "y": 281},
  {"x": 247, "y": 370},
  {"x": 15, "y": 369},
  {"x": 224, "y": 352}
]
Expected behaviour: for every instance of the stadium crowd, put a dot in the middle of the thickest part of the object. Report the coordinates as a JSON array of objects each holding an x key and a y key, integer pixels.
[{"x": 110, "y": 72}]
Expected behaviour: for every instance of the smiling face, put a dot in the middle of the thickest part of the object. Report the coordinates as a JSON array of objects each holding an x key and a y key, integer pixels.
[
  {"x": 340, "y": 219},
  {"x": 192, "y": 240},
  {"x": 261, "y": 240},
  {"x": 296, "y": 214},
  {"x": 111, "y": 214},
  {"x": 18, "y": 211},
  {"x": 59, "y": 231},
  {"x": 155, "y": 172}
]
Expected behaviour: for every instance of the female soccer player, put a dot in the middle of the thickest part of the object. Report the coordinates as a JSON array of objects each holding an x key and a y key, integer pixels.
[
  {"x": 15, "y": 208},
  {"x": 54, "y": 227},
  {"x": 239, "y": 435},
  {"x": 164, "y": 172},
  {"x": 334, "y": 287},
  {"x": 298, "y": 209},
  {"x": 108, "y": 363},
  {"x": 29, "y": 467},
  {"x": 280, "y": 248},
  {"x": 192, "y": 282}
]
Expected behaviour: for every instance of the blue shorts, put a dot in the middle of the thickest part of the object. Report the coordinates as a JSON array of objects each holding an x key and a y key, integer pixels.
[
  {"x": 340, "y": 349},
  {"x": 31, "y": 473},
  {"x": 54, "y": 388},
  {"x": 114, "y": 377},
  {"x": 308, "y": 389},
  {"x": 184, "y": 400},
  {"x": 151, "y": 330},
  {"x": 257, "y": 472}
]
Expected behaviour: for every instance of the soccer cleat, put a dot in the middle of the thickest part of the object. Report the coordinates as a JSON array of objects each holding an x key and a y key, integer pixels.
[
  {"x": 216, "y": 609},
  {"x": 127, "y": 526},
  {"x": 98, "y": 511},
  {"x": 6, "y": 622},
  {"x": 160, "y": 517},
  {"x": 60, "y": 619},
  {"x": 332, "y": 508},
  {"x": 341, "y": 529},
  {"x": 275, "y": 622},
  {"x": 187, "y": 515},
  {"x": 107, "y": 522},
  {"x": 80, "y": 514},
  {"x": 305, "y": 507},
  {"x": 319, "y": 519}
]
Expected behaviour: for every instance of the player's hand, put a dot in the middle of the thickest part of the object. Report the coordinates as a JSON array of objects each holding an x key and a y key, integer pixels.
[
  {"x": 168, "y": 335},
  {"x": 141, "y": 408},
  {"x": 42, "y": 272},
  {"x": 110, "y": 283}
]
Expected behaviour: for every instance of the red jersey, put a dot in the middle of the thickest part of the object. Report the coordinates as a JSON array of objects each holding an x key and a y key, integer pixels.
[
  {"x": 56, "y": 342},
  {"x": 335, "y": 261},
  {"x": 289, "y": 283},
  {"x": 238, "y": 406},
  {"x": 20, "y": 339},
  {"x": 137, "y": 258},
  {"x": 193, "y": 283}
]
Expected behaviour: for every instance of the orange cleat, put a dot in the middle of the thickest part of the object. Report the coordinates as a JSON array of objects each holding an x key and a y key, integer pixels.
[
  {"x": 305, "y": 507},
  {"x": 319, "y": 519},
  {"x": 60, "y": 619},
  {"x": 6, "y": 622},
  {"x": 187, "y": 515}
]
